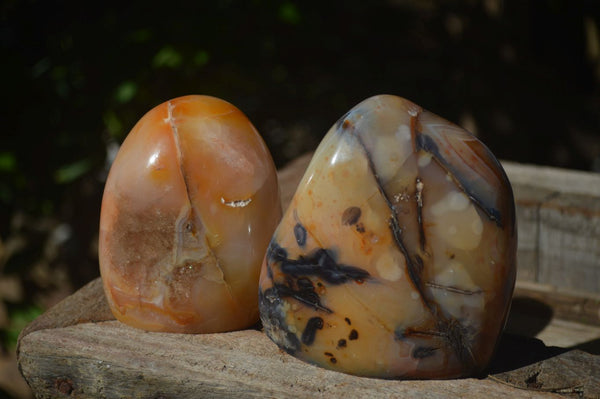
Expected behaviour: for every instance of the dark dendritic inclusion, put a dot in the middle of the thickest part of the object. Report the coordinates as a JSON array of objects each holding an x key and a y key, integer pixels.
[{"x": 320, "y": 264}]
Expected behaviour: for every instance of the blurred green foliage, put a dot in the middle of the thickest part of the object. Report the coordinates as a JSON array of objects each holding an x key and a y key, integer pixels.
[
  {"x": 19, "y": 317},
  {"x": 78, "y": 75}
]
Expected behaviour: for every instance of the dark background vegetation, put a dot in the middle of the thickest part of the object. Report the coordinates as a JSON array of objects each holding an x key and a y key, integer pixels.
[{"x": 522, "y": 74}]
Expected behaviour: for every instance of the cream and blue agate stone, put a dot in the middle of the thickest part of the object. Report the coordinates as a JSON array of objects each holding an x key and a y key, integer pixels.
[{"x": 396, "y": 256}]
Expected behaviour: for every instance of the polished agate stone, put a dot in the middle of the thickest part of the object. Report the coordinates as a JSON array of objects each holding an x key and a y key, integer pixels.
[
  {"x": 396, "y": 256},
  {"x": 189, "y": 207}
]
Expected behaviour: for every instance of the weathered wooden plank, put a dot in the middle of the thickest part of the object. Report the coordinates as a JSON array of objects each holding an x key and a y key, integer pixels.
[
  {"x": 65, "y": 351},
  {"x": 528, "y": 201},
  {"x": 111, "y": 360},
  {"x": 558, "y": 215},
  {"x": 569, "y": 245},
  {"x": 573, "y": 373},
  {"x": 553, "y": 179}
]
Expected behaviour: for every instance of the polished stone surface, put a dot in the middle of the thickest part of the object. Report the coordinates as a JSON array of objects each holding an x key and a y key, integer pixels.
[
  {"x": 189, "y": 207},
  {"x": 396, "y": 256}
]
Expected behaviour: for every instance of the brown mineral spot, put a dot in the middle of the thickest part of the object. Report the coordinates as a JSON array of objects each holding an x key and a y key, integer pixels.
[
  {"x": 351, "y": 215},
  {"x": 360, "y": 227}
]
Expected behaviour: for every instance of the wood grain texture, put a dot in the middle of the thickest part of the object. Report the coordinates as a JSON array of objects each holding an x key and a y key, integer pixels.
[
  {"x": 558, "y": 220},
  {"x": 77, "y": 349},
  {"x": 112, "y": 360},
  {"x": 569, "y": 242},
  {"x": 559, "y": 374},
  {"x": 528, "y": 202},
  {"x": 553, "y": 179}
]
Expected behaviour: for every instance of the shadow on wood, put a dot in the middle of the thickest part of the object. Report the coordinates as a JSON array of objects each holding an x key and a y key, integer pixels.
[
  {"x": 528, "y": 316},
  {"x": 525, "y": 362}
]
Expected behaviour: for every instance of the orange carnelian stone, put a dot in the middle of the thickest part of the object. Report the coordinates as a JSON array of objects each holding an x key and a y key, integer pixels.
[{"x": 189, "y": 207}]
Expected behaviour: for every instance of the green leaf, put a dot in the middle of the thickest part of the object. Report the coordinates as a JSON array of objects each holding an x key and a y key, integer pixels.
[
  {"x": 126, "y": 91},
  {"x": 72, "y": 172},
  {"x": 167, "y": 57},
  {"x": 201, "y": 58},
  {"x": 288, "y": 13},
  {"x": 113, "y": 124},
  {"x": 19, "y": 318},
  {"x": 8, "y": 162}
]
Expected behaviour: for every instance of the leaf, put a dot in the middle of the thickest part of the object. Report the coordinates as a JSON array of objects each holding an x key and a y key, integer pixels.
[
  {"x": 72, "y": 172},
  {"x": 19, "y": 318},
  {"x": 167, "y": 57},
  {"x": 8, "y": 162},
  {"x": 201, "y": 58},
  {"x": 288, "y": 13},
  {"x": 113, "y": 124},
  {"x": 126, "y": 91}
]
